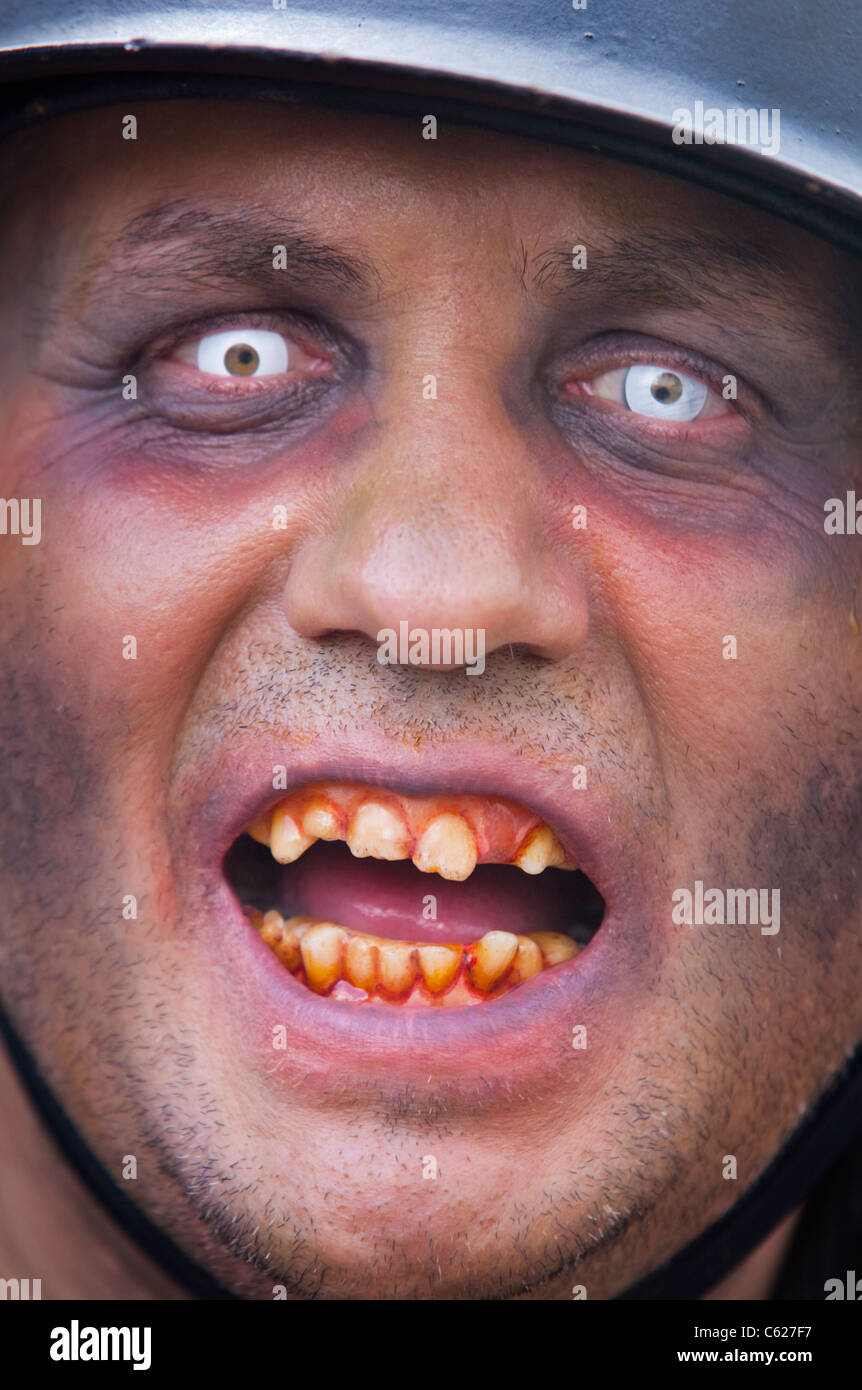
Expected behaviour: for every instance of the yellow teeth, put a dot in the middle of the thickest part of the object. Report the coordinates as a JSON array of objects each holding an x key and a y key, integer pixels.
[
  {"x": 324, "y": 954},
  {"x": 360, "y": 965},
  {"x": 321, "y": 948},
  {"x": 320, "y": 822},
  {"x": 396, "y": 968},
  {"x": 529, "y": 960},
  {"x": 491, "y": 958},
  {"x": 287, "y": 841},
  {"x": 541, "y": 851},
  {"x": 377, "y": 832},
  {"x": 446, "y": 847},
  {"x": 272, "y": 930},
  {"x": 380, "y": 825},
  {"x": 259, "y": 830},
  {"x": 555, "y": 948},
  {"x": 439, "y": 966}
]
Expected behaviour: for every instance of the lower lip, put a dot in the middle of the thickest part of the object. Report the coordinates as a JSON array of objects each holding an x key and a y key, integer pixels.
[{"x": 328, "y": 1044}]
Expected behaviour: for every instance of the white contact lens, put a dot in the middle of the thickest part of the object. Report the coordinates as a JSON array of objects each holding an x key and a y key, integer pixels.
[
  {"x": 662, "y": 393},
  {"x": 242, "y": 352}
]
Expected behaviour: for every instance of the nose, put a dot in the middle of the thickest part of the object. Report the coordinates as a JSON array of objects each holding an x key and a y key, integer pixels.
[{"x": 445, "y": 524}]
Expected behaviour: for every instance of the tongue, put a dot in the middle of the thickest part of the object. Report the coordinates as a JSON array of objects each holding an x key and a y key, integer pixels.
[{"x": 397, "y": 900}]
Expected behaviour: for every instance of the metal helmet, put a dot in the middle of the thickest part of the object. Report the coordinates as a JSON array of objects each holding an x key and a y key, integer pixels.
[{"x": 761, "y": 102}]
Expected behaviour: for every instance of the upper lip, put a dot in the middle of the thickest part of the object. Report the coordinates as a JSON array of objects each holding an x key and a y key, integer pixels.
[{"x": 243, "y": 790}]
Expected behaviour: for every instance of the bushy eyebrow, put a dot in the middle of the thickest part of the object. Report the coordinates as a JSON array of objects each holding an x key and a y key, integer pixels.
[
  {"x": 683, "y": 269},
  {"x": 205, "y": 245},
  {"x": 697, "y": 271},
  {"x": 211, "y": 246},
  {"x": 200, "y": 246}
]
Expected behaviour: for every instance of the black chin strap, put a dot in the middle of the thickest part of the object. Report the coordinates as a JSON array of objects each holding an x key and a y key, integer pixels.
[
  {"x": 817, "y": 1144},
  {"x": 813, "y": 1148},
  {"x": 131, "y": 1220}
]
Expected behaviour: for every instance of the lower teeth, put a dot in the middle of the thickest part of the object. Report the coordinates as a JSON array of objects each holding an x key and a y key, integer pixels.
[{"x": 344, "y": 964}]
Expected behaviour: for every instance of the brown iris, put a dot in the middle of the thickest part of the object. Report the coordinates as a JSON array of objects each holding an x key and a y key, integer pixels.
[
  {"x": 666, "y": 388},
  {"x": 241, "y": 360}
]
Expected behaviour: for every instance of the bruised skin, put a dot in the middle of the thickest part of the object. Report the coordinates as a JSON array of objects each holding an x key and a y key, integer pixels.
[{"x": 256, "y": 647}]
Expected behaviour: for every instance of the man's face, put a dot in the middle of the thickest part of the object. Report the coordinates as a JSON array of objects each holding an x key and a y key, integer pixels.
[{"x": 423, "y": 407}]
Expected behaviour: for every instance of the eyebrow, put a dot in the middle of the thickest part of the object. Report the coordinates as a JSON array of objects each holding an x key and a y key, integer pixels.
[
  {"x": 680, "y": 269},
  {"x": 701, "y": 271},
  {"x": 183, "y": 242},
  {"x": 209, "y": 247}
]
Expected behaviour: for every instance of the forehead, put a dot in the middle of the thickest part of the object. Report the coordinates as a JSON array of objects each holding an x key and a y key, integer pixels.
[
  {"x": 381, "y": 167},
  {"x": 492, "y": 212}
]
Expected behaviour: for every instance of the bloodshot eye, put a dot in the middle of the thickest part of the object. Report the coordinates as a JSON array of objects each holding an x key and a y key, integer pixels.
[
  {"x": 242, "y": 352},
  {"x": 663, "y": 393}
]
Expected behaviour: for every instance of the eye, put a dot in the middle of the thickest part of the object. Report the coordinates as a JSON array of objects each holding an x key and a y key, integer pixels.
[
  {"x": 663, "y": 393},
  {"x": 658, "y": 392},
  {"x": 239, "y": 352}
]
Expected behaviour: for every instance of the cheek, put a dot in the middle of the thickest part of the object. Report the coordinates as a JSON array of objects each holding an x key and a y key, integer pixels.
[
  {"x": 724, "y": 632},
  {"x": 720, "y": 600},
  {"x": 143, "y": 552}
]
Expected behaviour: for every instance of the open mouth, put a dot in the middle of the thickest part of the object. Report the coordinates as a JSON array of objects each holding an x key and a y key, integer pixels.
[{"x": 372, "y": 897}]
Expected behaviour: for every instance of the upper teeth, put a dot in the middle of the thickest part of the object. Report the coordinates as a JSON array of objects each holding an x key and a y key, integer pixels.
[
  {"x": 450, "y": 842},
  {"x": 377, "y": 832},
  {"x": 287, "y": 839},
  {"x": 542, "y": 850},
  {"x": 447, "y": 847}
]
